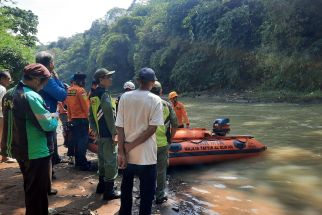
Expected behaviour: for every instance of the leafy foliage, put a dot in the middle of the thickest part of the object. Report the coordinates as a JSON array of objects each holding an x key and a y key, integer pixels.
[
  {"x": 23, "y": 24},
  {"x": 17, "y": 38},
  {"x": 205, "y": 44}
]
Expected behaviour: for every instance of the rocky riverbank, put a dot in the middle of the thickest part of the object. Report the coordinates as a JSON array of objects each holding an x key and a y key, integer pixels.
[{"x": 259, "y": 96}]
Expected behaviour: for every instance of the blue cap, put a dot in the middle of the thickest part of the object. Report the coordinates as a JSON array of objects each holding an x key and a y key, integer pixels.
[{"x": 147, "y": 74}]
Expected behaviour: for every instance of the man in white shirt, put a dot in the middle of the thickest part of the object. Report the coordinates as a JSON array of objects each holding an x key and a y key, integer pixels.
[
  {"x": 5, "y": 79},
  {"x": 139, "y": 115}
]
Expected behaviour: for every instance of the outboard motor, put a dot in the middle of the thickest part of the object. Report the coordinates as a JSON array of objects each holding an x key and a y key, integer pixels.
[{"x": 221, "y": 127}]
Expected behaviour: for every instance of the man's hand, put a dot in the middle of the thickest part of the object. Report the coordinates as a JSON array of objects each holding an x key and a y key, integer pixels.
[
  {"x": 122, "y": 161},
  {"x": 94, "y": 134},
  {"x": 127, "y": 147},
  {"x": 115, "y": 139},
  {"x": 55, "y": 115}
]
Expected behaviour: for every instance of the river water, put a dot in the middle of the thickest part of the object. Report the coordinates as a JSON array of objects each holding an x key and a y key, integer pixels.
[{"x": 284, "y": 180}]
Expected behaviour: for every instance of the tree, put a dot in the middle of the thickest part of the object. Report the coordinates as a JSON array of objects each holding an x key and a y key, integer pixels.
[
  {"x": 113, "y": 55},
  {"x": 22, "y": 23},
  {"x": 16, "y": 47},
  {"x": 205, "y": 44}
]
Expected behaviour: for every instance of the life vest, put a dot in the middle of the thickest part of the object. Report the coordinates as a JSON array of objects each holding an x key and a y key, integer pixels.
[
  {"x": 77, "y": 103},
  {"x": 161, "y": 132},
  {"x": 97, "y": 111}
]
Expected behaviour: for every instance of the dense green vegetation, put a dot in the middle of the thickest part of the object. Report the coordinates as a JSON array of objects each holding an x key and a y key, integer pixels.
[
  {"x": 193, "y": 45},
  {"x": 205, "y": 44},
  {"x": 17, "y": 38}
]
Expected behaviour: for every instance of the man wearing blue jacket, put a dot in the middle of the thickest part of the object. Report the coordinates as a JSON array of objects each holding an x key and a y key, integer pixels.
[{"x": 53, "y": 92}]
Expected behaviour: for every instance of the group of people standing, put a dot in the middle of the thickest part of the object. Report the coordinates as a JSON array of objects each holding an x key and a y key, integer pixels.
[{"x": 135, "y": 138}]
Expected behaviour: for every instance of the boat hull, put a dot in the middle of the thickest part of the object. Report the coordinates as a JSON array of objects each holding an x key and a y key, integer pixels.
[{"x": 213, "y": 150}]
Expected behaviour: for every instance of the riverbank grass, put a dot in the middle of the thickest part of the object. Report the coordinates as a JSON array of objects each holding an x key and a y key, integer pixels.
[{"x": 254, "y": 96}]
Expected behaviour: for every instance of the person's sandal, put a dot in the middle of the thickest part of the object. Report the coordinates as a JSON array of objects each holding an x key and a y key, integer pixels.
[
  {"x": 10, "y": 160},
  {"x": 52, "y": 192}
]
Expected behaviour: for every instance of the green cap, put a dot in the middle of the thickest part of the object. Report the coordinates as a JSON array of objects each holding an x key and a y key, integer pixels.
[{"x": 101, "y": 73}]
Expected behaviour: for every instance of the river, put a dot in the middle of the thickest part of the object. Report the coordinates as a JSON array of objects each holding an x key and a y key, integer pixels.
[{"x": 284, "y": 180}]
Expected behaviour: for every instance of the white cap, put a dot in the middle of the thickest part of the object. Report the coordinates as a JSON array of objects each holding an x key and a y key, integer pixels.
[{"x": 129, "y": 85}]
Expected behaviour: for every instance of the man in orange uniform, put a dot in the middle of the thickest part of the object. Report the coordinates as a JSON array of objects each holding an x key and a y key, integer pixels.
[
  {"x": 78, "y": 108},
  {"x": 179, "y": 109}
]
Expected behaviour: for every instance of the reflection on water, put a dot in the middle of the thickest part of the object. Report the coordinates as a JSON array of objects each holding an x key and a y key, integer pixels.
[{"x": 285, "y": 180}]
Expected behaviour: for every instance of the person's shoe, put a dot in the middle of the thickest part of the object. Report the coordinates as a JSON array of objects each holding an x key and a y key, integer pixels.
[
  {"x": 52, "y": 211},
  {"x": 52, "y": 192},
  {"x": 161, "y": 201},
  {"x": 8, "y": 160},
  {"x": 71, "y": 160},
  {"x": 100, "y": 186},
  {"x": 110, "y": 193}
]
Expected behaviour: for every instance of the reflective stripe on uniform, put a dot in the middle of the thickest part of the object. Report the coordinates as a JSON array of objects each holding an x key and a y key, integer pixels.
[{"x": 100, "y": 114}]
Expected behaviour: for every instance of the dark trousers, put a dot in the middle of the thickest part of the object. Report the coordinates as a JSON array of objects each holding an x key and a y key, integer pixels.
[
  {"x": 55, "y": 156},
  {"x": 53, "y": 148},
  {"x": 71, "y": 144},
  {"x": 64, "y": 118},
  {"x": 79, "y": 141},
  {"x": 36, "y": 179},
  {"x": 147, "y": 175}
]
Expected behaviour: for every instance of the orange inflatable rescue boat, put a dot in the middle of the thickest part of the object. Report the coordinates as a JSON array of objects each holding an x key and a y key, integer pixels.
[
  {"x": 211, "y": 149},
  {"x": 201, "y": 146}
]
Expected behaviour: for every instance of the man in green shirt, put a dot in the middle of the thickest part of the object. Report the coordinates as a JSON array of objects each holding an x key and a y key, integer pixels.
[
  {"x": 27, "y": 127},
  {"x": 102, "y": 121},
  {"x": 164, "y": 135},
  {"x": 5, "y": 80}
]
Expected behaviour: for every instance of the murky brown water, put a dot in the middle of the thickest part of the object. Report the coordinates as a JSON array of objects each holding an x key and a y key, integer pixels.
[{"x": 285, "y": 180}]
